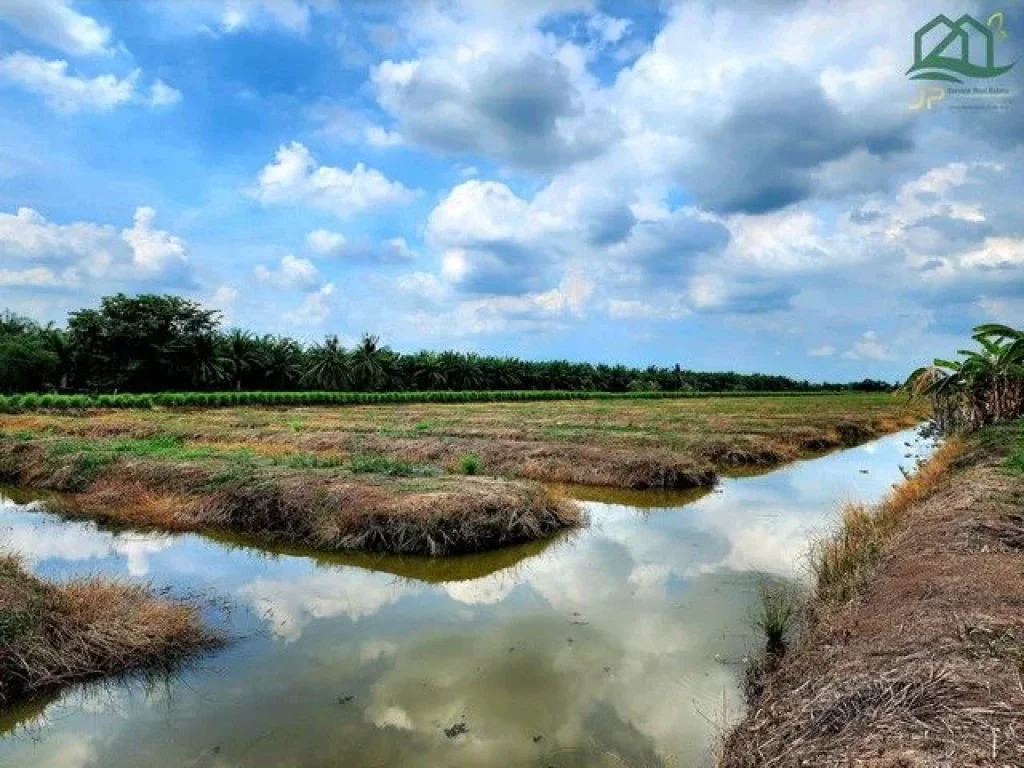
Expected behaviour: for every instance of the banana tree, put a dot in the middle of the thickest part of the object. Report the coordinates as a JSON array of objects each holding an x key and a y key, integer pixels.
[{"x": 985, "y": 385}]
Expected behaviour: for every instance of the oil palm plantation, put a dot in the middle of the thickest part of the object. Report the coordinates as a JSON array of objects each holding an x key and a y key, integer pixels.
[
  {"x": 327, "y": 366},
  {"x": 368, "y": 364}
]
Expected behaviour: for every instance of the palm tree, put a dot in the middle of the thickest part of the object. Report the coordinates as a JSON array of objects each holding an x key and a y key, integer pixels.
[
  {"x": 243, "y": 352},
  {"x": 428, "y": 372},
  {"x": 326, "y": 365},
  {"x": 210, "y": 366},
  {"x": 281, "y": 360},
  {"x": 368, "y": 361}
]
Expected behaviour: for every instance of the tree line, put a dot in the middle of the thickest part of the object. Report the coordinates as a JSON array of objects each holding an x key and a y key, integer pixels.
[{"x": 164, "y": 343}]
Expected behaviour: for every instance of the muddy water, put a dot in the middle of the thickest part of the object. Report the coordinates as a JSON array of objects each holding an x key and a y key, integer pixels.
[{"x": 618, "y": 645}]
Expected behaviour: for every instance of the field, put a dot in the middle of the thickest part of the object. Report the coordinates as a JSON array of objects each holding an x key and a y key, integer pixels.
[{"x": 418, "y": 478}]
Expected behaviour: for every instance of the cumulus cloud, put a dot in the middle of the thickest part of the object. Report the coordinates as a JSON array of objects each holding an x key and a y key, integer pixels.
[
  {"x": 295, "y": 178},
  {"x": 62, "y": 91},
  {"x": 57, "y": 24},
  {"x": 391, "y": 250},
  {"x": 825, "y": 350},
  {"x": 292, "y": 272},
  {"x": 153, "y": 249},
  {"x": 68, "y": 93},
  {"x": 487, "y": 80},
  {"x": 38, "y": 252}
]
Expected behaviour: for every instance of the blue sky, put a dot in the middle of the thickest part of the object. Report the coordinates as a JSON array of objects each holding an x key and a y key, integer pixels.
[{"x": 721, "y": 184}]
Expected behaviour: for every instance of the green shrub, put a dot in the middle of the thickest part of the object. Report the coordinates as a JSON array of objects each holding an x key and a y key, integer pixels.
[{"x": 470, "y": 464}]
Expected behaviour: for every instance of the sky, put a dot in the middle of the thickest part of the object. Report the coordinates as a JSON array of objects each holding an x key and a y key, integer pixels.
[{"x": 724, "y": 185}]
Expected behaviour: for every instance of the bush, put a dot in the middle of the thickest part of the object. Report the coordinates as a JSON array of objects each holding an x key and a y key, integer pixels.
[{"x": 470, "y": 464}]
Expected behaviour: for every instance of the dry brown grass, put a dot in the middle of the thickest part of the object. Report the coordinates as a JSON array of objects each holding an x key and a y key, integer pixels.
[
  {"x": 636, "y": 444},
  {"x": 322, "y": 509},
  {"x": 920, "y": 663},
  {"x": 842, "y": 562},
  {"x": 55, "y": 634}
]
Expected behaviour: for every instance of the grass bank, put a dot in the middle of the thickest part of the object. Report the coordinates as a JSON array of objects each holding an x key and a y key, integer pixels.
[
  {"x": 913, "y": 650},
  {"x": 52, "y": 635},
  {"x": 326, "y": 502}
]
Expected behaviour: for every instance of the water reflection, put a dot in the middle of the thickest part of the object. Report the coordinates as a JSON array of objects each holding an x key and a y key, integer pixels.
[{"x": 607, "y": 647}]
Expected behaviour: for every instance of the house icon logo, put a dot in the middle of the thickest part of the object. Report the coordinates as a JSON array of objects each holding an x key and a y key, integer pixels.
[{"x": 961, "y": 48}]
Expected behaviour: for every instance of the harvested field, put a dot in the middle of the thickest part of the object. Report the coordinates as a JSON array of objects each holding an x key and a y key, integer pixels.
[
  {"x": 418, "y": 479},
  {"x": 672, "y": 443},
  {"x": 915, "y": 651},
  {"x": 55, "y": 634}
]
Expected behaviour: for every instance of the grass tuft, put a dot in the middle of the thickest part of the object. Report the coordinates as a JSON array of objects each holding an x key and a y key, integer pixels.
[
  {"x": 52, "y": 635},
  {"x": 778, "y": 613}
]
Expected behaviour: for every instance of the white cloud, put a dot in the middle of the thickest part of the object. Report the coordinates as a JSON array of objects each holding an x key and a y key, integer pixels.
[
  {"x": 394, "y": 250},
  {"x": 153, "y": 249},
  {"x": 316, "y": 307},
  {"x": 64, "y": 92},
  {"x": 825, "y": 350},
  {"x": 290, "y": 15},
  {"x": 223, "y": 300},
  {"x": 37, "y": 277},
  {"x": 292, "y": 603},
  {"x": 69, "y": 254},
  {"x": 293, "y": 272},
  {"x": 868, "y": 348},
  {"x": 67, "y": 93},
  {"x": 56, "y": 23},
  {"x": 996, "y": 253},
  {"x": 325, "y": 242},
  {"x": 608, "y": 29},
  {"x": 295, "y": 178},
  {"x": 161, "y": 94},
  {"x": 381, "y": 137}
]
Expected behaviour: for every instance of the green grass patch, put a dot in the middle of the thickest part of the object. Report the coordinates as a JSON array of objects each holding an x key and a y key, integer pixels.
[
  {"x": 311, "y": 461},
  {"x": 383, "y": 465}
]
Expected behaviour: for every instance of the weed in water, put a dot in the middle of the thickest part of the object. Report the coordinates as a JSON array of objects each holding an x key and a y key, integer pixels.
[{"x": 777, "y": 613}]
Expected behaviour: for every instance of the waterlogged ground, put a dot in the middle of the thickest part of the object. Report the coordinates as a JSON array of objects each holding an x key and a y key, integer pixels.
[{"x": 618, "y": 645}]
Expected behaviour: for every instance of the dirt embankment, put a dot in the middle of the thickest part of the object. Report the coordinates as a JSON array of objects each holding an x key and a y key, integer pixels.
[
  {"x": 322, "y": 508},
  {"x": 52, "y": 635},
  {"x": 914, "y": 653}
]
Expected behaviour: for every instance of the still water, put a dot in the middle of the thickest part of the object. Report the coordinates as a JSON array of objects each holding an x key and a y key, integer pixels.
[{"x": 621, "y": 644}]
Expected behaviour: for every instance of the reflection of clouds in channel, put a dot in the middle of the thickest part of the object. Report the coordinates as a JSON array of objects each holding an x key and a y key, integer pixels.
[
  {"x": 490, "y": 589},
  {"x": 49, "y": 538},
  {"x": 373, "y": 650},
  {"x": 767, "y": 523},
  {"x": 292, "y": 603}
]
